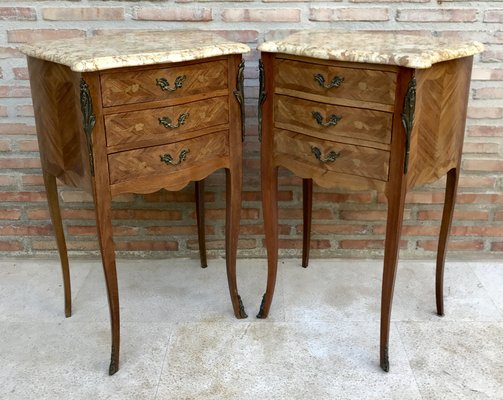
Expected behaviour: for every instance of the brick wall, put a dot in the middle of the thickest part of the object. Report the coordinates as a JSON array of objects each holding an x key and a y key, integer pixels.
[{"x": 163, "y": 224}]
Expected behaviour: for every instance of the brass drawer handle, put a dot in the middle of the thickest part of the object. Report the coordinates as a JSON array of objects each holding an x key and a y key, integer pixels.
[
  {"x": 166, "y": 158},
  {"x": 335, "y": 83},
  {"x": 331, "y": 121},
  {"x": 164, "y": 84},
  {"x": 331, "y": 157},
  {"x": 166, "y": 121}
]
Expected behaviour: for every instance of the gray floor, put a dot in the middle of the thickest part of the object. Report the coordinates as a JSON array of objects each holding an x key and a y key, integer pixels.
[{"x": 180, "y": 340}]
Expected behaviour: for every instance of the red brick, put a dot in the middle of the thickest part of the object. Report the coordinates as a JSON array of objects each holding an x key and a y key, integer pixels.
[
  {"x": 177, "y": 230},
  {"x": 32, "y": 180},
  {"x": 17, "y": 14},
  {"x": 483, "y": 148},
  {"x": 27, "y": 145},
  {"x": 348, "y": 14},
  {"x": 220, "y": 244},
  {"x": 477, "y": 230},
  {"x": 497, "y": 246},
  {"x": 479, "y": 198},
  {"x": 33, "y": 35},
  {"x": 14, "y": 91},
  {"x": 11, "y": 245},
  {"x": 455, "y": 245},
  {"x": 334, "y": 229},
  {"x": 164, "y": 215},
  {"x": 459, "y": 215},
  {"x": 361, "y": 244},
  {"x": 421, "y": 230},
  {"x": 25, "y": 230},
  {"x": 485, "y": 130},
  {"x": 436, "y": 15},
  {"x": 296, "y": 213},
  {"x": 261, "y": 15},
  {"x": 7, "y": 180},
  {"x": 3, "y": 111},
  {"x": 257, "y": 196},
  {"x": 491, "y": 55},
  {"x": 19, "y": 163},
  {"x": 174, "y": 14},
  {"x": 297, "y": 244},
  {"x": 5, "y": 145},
  {"x": 485, "y": 112},
  {"x": 10, "y": 214},
  {"x": 25, "y": 197},
  {"x": 488, "y": 93},
  {"x": 17, "y": 129},
  {"x": 365, "y": 197},
  {"x": 424, "y": 198},
  {"x": 24, "y": 111},
  {"x": 71, "y": 214},
  {"x": 21, "y": 73},
  {"x": 83, "y": 13},
  {"x": 144, "y": 245},
  {"x": 493, "y": 16},
  {"x": 483, "y": 165}
]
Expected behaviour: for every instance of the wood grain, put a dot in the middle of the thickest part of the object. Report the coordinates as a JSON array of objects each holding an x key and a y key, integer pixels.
[
  {"x": 296, "y": 115},
  {"x": 439, "y": 120},
  {"x": 139, "y": 85},
  {"x": 143, "y": 127},
  {"x": 356, "y": 160},
  {"x": 358, "y": 84}
]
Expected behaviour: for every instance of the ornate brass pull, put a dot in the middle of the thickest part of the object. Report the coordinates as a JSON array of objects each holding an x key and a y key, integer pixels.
[
  {"x": 331, "y": 157},
  {"x": 166, "y": 158},
  {"x": 166, "y": 121},
  {"x": 335, "y": 83},
  {"x": 331, "y": 121},
  {"x": 164, "y": 84}
]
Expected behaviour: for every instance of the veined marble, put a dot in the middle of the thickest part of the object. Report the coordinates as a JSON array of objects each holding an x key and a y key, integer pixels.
[
  {"x": 373, "y": 47},
  {"x": 132, "y": 49}
]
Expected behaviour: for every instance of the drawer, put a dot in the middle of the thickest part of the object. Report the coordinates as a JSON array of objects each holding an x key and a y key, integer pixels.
[
  {"x": 174, "y": 158},
  {"x": 162, "y": 83},
  {"x": 336, "y": 82},
  {"x": 322, "y": 155},
  {"x": 331, "y": 122},
  {"x": 165, "y": 123}
]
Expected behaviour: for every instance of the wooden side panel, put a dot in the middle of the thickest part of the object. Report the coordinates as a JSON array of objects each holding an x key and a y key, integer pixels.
[
  {"x": 439, "y": 120},
  {"x": 63, "y": 150}
]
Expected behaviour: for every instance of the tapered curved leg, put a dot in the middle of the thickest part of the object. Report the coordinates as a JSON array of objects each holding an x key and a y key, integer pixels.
[
  {"x": 102, "y": 201},
  {"x": 445, "y": 227},
  {"x": 52, "y": 199},
  {"x": 270, "y": 211},
  {"x": 199, "y": 189},
  {"x": 233, "y": 209},
  {"x": 393, "y": 230},
  {"x": 307, "y": 212}
]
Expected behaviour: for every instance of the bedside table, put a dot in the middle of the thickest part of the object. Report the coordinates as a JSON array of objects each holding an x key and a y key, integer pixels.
[
  {"x": 355, "y": 110},
  {"x": 135, "y": 113}
]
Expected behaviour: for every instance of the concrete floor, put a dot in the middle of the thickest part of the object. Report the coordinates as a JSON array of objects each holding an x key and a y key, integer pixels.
[{"x": 181, "y": 341}]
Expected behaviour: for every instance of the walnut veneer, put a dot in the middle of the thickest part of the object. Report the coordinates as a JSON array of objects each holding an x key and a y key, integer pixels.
[
  {"x": 138, "y": 130},
  {"x": 360, "y": 126}
]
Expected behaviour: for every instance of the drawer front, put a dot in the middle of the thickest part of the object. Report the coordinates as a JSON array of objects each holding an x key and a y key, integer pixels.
[
  {"x": 173, "y": 158},
  {"x": 166, "y": 122},
  {"x": 327, "y": 121},
  {"x": 163, "y": 83},
  {"x": 323, "y": 155},
  {"x": 336, "y": 82}
]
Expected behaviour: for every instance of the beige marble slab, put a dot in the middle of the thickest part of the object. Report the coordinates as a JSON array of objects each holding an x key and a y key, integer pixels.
[
  {"x": 132, "y": 49},
  {"x": 373, "y": 47}
]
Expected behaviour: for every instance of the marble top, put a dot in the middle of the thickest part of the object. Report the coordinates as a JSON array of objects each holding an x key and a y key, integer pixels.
[
  {"x": 373, "y": 47},
  {"x": 132, "y": 49}
]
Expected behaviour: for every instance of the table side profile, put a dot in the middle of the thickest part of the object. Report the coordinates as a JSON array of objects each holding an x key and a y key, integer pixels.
[
  {"x": 137, "y": 113},
  {"x": 362, "y": 111}
]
